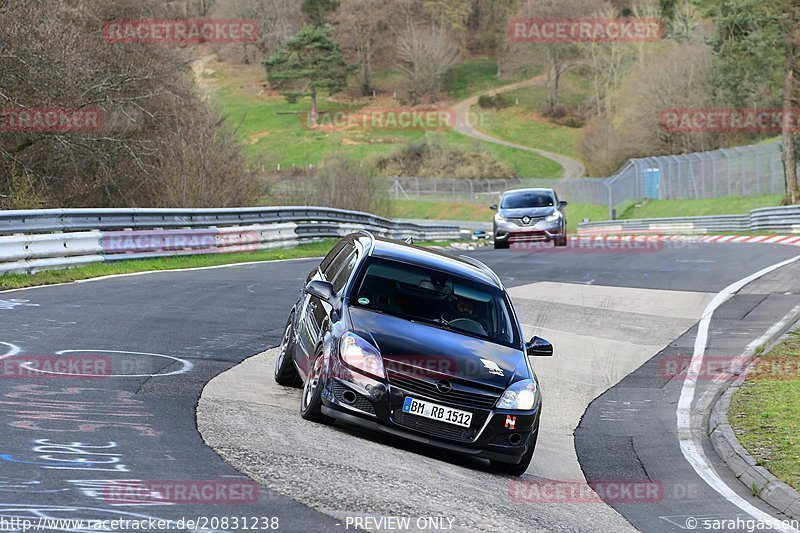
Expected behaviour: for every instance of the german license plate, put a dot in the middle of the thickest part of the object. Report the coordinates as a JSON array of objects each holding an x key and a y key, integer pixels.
[{"x": 433, "y": 411}]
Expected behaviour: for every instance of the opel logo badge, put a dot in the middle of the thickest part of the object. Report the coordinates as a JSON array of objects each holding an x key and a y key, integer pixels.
[
  {"x": 526, "y": 220},
  {"x": 444, "y": 386}
]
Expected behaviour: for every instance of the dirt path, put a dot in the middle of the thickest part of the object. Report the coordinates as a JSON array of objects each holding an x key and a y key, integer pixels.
[
  {"x": 572, "y": 167},
  {"x": 198, "y": 68}
]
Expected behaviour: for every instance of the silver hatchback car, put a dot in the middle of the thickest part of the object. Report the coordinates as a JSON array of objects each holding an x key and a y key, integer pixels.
[{"x": 529, "y": 215}]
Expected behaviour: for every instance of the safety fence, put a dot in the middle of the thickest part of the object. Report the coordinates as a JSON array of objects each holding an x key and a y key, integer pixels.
[
  {"x": 754, "y": 170},
  {"x": 34, "y": 240},
  {"x": 767, "y": 219}
]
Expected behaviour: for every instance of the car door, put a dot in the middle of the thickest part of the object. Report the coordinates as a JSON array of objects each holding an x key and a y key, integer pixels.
[
  {"x": 339, "y": 272},
  {"x": 305, "y": 341}
]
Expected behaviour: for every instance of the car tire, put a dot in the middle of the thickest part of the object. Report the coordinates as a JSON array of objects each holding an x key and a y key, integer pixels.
[
  {"x": 561, "y": 241},
  {"x": 285, "y": 372},
  {"x": 500, "y": 245},
  {"x": 311, "y": 397},
  {"x": 521, "y": 467}
]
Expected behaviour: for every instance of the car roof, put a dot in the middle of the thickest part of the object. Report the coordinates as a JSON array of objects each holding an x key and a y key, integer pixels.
[
  {"x": 532, "y": 189},
  {"x": 433, "y": 259}
]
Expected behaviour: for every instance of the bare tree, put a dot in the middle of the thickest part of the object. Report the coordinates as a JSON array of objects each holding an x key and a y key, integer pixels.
[
  {"x": 278, "y": 20},
  {"x": 363, "y": 28},
  {"x": 143, "y": 92},
  {"x": 203, "y": 8},
  {"x": 554, "y": 58},
  {"x": 426, "y": 54},
  {"x": 608, "y": 62},
  {"x": 678, "y": 77}
]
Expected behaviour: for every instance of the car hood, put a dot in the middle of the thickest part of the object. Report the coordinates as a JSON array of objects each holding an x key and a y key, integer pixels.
[
  {"x": 527, "y": 211},
  {"x": 432, "y": 351}
]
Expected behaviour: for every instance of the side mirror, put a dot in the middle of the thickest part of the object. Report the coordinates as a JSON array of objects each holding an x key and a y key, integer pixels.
[
  {"x": 562, "y": 203},
  {"x": 322, "y": 290},
  {"x": 493, "y": 207},
  {"x": 538, "y": 347}
]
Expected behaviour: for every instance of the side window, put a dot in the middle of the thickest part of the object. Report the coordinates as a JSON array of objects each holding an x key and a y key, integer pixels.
[
  {"x": 350, "y": 258},
  {"x": 338, "y": 261},
  {"x": 325, "y": 266}
]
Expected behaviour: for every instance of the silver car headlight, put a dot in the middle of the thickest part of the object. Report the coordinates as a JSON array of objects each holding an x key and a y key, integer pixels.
[
  {"x": 552, "y": 218},
  {"x": 520, "y": 396},
  {"x": 499, "y": 218}
]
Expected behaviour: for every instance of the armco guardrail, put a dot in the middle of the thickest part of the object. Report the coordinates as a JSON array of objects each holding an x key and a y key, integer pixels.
[
  {"x": 775, "y": 219},
  {"x": 53, "y": 238}
]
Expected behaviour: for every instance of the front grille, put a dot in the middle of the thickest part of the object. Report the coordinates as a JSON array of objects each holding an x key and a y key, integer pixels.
[
  {"x": 458, "y": 396},
  {"x": 361, "y": 403},
  {"x": 519, "y": 222},
  {"x": 501, "y": 439},
  {"x": 434, "y": 427}
]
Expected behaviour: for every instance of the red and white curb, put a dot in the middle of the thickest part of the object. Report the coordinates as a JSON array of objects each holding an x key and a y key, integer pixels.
[{"x": 763, "y": 239}]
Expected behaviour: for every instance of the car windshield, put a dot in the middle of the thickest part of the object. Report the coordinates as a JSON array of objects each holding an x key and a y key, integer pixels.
[
  {"x": 435, "y": 298},
  {"x": 522, "y": 199}
]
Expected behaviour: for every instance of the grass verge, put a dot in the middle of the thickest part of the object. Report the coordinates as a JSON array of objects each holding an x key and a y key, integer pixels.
[
  {"x": 480, "y": 212},
  {"x": 475, "y": 76},
  {"x": 576, "y": 212},
  {"x": 94, "y": 270},
  {"x": 765, "y": 411},
  {"x": 710, "y": 206}
]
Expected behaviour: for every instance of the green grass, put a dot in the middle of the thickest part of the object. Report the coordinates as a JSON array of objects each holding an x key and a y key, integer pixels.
[
  {"x": 576, "y": 212},
  {"x": 474, "y": 77},
  {"x": 574, "y": 91},
  {"x": 95, "y": 270},
  {"x": 271, "y": 137},
  {"x": 765, "y": 411},
  {"x": 49, "y": 277},
  {"x": 521, "y": 123},
  {"x": 443, "y": 210},
  {"x": 711, "y": 206},
  {"x": 515, "y": 124},
  {"x": 525, "y": 164}
]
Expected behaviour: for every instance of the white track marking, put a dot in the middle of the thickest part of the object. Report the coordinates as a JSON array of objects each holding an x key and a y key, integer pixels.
[
  {"x": 13, "y": 349},
  {"x": 690, "y": 445},
  {"x": 187, "y": 366}
]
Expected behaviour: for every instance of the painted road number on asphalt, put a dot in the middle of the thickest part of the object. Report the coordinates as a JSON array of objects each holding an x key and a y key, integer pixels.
[{"x": 441, "y": 413}]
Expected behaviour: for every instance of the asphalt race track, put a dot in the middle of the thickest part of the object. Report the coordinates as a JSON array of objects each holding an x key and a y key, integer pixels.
[{"x": 158, "y": 338}]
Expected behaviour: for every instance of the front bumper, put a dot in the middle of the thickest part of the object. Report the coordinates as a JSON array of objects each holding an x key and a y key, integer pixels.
[
  {"x": 377, "y": 405},
  {"x": 543, "y": 230}
]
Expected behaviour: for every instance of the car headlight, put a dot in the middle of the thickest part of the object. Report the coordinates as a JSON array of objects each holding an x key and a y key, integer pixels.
[
  {"x": 552, "y": 218},
  {"x": 520, "y": 396},
  {"x": 361, "y": 355},
  {"x": 499, "y": 218}
]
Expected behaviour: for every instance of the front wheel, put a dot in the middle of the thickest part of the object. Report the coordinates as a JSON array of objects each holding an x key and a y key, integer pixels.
[
  {"x": 285, "y": 372},
  {"x": 499, "y": 245},
  {"x": 311, "y": 400},
  {"x": 519, "y": 468},
  {"x": 561, "y": 241}
]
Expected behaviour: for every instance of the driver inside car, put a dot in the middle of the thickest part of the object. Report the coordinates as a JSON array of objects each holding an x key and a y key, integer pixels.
[{"x": 464, "y": 316}]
